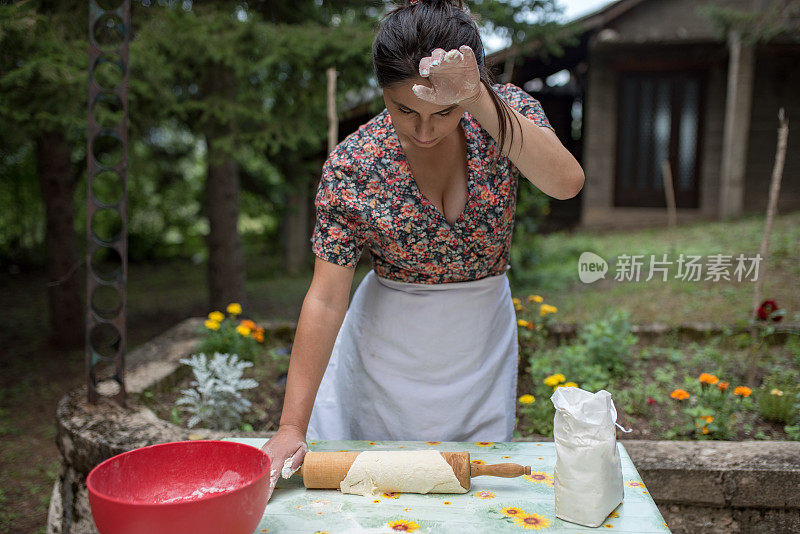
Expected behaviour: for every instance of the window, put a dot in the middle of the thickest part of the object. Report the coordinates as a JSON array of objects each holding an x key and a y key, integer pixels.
[{"x": 659, "y": 119}]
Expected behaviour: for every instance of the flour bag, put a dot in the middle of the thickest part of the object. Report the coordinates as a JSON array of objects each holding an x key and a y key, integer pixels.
[{"x": 588, "y": 472}]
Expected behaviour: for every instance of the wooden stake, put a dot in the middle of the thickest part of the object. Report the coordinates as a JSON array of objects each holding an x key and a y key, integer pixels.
[
  {"x": 333, "y": 119},
  {"x": 669, "y": 192},
  {"x": 772, "y": 205}
]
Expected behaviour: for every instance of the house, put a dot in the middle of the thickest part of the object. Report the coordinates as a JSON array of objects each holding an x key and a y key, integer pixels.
[{"x": 653, "y": 81}]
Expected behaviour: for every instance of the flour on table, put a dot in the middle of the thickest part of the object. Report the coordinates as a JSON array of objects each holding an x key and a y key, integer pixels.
[{"x": 375, "y": 472}]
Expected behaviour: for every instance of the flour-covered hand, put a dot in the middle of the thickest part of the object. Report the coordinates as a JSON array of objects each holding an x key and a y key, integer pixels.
[{"x": 454, "y": 76}]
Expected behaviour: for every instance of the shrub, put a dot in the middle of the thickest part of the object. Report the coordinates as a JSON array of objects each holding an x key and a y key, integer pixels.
[
  {"x": 608, "y": 342},
  {"x": 215, "y": 399}
]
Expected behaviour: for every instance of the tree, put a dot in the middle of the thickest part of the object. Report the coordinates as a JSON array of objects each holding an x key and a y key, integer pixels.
[{"x": 43, "y": 83}]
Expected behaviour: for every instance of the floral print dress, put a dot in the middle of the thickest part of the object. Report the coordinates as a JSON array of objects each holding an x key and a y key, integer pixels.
[{"x": 367, "y": 196}]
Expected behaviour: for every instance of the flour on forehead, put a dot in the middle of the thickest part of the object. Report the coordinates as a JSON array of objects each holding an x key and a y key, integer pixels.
[{"x": 375, "y": 472}]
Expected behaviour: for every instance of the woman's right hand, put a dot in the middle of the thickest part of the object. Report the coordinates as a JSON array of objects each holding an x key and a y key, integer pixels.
[{"x": 288, "y": 442}]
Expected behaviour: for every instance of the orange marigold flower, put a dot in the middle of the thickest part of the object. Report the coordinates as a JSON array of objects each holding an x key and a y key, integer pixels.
[
  {"x": 680, "y": 394},
  {"x": 705, "y": 430},
  {"x": 248, "y": 324},
  {"x": 708, "y": 418},
  {"x": 708, "y": 378},
  {"x": 744, "y": 391},
  {"x": 723, "y": 385}
]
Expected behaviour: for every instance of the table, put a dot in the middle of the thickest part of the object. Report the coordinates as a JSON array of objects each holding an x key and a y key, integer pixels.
[{"x": 493, "y": 504}]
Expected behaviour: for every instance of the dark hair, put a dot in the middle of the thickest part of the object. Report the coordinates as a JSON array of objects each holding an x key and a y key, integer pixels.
[{"x": 410, "y": 32}]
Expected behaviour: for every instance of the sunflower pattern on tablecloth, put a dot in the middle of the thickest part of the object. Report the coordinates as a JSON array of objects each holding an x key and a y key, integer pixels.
[{"x": 493, "y": 504}]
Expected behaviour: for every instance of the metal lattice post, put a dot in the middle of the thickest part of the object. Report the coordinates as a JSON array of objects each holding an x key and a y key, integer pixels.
[{"x": 107, "y": 198}]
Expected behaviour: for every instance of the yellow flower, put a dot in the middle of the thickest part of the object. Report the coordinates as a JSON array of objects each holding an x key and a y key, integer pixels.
[
  {"x": 552, "y": 380},
  {"x": 538, "y": 477},
  {"x": 744, "y": 391},
  {"x": 212, "y": 325},
  {"x": 708, "y": 418},
  {"x": 705, "y": 430},
  {"x": 484, "y": 443},
  {"x": 524, "y": 323},
  {"x": 516, "y": 301},
  {"x": 243, "y": 330},
  {"x": 544, "y": 309},
  {"x": 707, "y": 378},
  {"x": 234, "y": 308},
  {"x": 402, "y": 525},
  {"x": 216, "y": 316},
  {"x": 532, "y": 521},
  {"x": 679, "y": 394},
  {"x": 513, "y": 511},
  {"x": 535, "y": 298},
  {"x": 570, "y": 385},
  {"x": 526, "y": 399},
  {"x": 777, "y": 392}
]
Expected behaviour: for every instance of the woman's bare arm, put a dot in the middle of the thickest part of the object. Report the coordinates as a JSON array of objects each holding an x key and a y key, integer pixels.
[{"x": 321, "y": 316}]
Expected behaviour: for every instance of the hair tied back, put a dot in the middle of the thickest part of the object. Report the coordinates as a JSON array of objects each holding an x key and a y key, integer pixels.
[{"x": 441, "y": 4}]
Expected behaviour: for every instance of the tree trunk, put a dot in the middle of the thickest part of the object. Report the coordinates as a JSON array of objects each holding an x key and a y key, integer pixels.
[
  {"x": 65, "y": 303},
  {"x": 297, "y": 234},
  {"x": 226, "y": 273}
]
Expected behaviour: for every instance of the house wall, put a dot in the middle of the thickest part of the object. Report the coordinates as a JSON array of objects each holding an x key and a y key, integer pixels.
[
  {"x": 600, "y": 133},
  {"x": 777, "y": 84},
  {"x": 676, "y": 20},
  {"x": 659, "y": 35}
]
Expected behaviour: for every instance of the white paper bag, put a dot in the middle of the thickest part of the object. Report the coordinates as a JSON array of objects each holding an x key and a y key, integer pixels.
[{"x": 588, "y": 471}]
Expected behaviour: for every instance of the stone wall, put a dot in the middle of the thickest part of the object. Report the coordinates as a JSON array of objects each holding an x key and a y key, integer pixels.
[{"x": 709, "y": 486}]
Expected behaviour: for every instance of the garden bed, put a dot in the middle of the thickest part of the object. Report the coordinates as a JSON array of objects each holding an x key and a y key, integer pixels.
[
  {"x": 649, "y": 370},
  {"x": 712, "y": 486}
]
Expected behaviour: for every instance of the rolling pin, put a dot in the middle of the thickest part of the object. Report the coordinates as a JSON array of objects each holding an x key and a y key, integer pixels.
[{"x": 325, "y": 470}]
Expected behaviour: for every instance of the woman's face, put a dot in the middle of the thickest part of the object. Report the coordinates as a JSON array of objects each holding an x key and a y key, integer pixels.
[{"x": 416, "y": 120}]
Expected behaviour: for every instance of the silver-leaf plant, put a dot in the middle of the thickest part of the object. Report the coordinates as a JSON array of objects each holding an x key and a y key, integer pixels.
[{"x": 215, "y": 398}]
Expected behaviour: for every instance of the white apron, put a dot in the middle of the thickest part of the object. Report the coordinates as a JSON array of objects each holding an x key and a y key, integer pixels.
[{"x": 422, "y": 362}]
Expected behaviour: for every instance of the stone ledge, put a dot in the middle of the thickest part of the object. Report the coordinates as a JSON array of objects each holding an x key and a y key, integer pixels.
[{"x": 743, "y": 474}]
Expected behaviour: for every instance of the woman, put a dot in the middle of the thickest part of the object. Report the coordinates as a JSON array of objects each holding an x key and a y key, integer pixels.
[{"x": 427, "y": 350}]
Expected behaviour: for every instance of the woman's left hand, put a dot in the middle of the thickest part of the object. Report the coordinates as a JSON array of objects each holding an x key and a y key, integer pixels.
[{"x": 454, "y": 76}]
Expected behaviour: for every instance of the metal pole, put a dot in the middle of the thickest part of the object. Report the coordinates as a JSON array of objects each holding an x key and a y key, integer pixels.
[{"x": 109, "y": 37}]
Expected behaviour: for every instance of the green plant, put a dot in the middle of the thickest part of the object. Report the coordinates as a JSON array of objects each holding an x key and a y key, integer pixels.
[
  {"x": 215, "y": 398},
  {"x": 608, "y": 342},
  {"x": 710, "y": 409},
  {"x": 227, "y": 334},
  {"x": 534, "y": 317},
  {"x": 778, "y": 396}
]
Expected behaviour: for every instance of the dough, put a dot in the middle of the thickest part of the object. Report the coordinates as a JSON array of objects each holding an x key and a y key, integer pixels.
[{"x": 375, "y": 472}]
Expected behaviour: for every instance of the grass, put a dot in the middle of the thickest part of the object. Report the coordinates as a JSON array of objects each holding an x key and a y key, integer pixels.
[
  {"x": 672, "y": 301},
  {"x": 33, "y": 377}
]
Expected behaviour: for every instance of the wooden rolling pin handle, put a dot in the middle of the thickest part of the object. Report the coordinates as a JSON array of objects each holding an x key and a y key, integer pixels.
[{"x": 499, "y": 470}]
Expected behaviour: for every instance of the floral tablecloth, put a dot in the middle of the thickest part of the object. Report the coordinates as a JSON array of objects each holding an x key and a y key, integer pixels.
[{"x": 493, "y": 504}]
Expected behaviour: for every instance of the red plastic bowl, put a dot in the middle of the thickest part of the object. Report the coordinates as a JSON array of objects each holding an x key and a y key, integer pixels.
[{"x": 184, "y": 486}]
